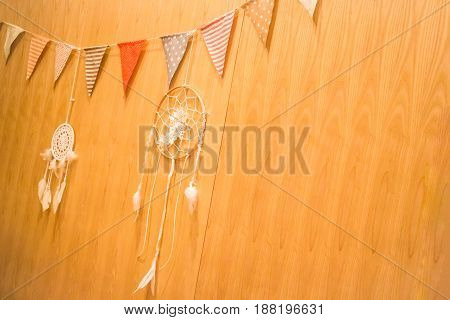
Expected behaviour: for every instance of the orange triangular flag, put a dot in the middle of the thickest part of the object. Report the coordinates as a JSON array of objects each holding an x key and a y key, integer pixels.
[
  {"x": 37, "y": 45},
  {"x": 260, "y": 12},
  {"x": 62, "y": 54},
  {"x": 129, "y": 56}
]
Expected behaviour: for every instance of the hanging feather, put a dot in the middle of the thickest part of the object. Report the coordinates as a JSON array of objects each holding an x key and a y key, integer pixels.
[
  {"x": 58, "y": 196},
  {"x": 71, "y": 156},
  {"x": 149, "y": 276},
  {"x": 191, "y": 193},
  {"x": 137, "y": 199},
  {"x": 46, "y": 197},
  {"x": 47, "y": 155},
  {"x": 41, "y": 187}
]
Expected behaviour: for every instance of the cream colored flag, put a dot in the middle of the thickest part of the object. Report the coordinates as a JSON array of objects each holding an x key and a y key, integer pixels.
[
  {"x": 11, "y": 35},
  {"x": 310, "y": 6}
]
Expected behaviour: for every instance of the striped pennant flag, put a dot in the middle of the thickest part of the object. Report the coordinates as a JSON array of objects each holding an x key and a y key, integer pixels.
[
  {"x": 93, "y": 60},
  {"x": 129, "y": 56},
  {"x": 37, "y": 46},
  {"x": 62, "y": 54},
  {"x": 12, "y": 32},
  {"x": 174, "y": 48},
  {"x": 310, "y": 6},
  {"x": 260, "y": 12},
  {"x": 216, "y": 35}
]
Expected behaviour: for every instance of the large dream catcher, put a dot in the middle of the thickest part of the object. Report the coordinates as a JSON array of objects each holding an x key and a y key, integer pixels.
[
  {"x": 58, "y": 157},
  {"x": 176, "y": 134}
]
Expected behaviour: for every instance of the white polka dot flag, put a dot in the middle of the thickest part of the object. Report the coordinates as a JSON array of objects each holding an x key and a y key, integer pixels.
[
  {"x": 174, "y": 48},
  {"x": 310, "y": 6},
  {"x": 62, "y": 54},
  {"x": 260, "y": 12},
  {"x": 92, "y": 61},
  {"x": 12, "y": 32},
  {"x": 216, "y": 35},
  {"x": 37, "y": 46}
]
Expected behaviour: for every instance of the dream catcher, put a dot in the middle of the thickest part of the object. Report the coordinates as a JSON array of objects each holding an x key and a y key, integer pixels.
[
  {"x": 58, "y": 158},
  {"x": 177, "y": 132}
]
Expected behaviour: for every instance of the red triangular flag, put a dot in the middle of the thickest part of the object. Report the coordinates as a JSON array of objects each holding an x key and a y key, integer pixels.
[
  {"x": 216, "y": 35},
  {"x": 129, "y": 56}
]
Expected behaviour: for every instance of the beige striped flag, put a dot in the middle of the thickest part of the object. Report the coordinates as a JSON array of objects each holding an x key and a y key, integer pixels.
[
  {"x": 216, "y": 35},
  {"x": 12, "y": 32},
  {"x": 37, "y": 46},
  {"x": 310, "y": 6},
  {"x": 62, "y": 54},
  {"x": 260, "y": 12},
  {"x": 93, "y": 60}
]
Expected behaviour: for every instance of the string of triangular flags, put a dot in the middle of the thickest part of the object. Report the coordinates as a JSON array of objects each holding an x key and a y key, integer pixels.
[{"x": 216, "y": 35}]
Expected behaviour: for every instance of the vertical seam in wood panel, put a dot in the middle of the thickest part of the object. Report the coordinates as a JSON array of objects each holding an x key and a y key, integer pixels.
[{"x": 220, "y": 149}]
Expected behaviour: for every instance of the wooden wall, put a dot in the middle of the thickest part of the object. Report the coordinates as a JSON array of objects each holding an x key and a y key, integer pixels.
[{"x": 370, "y": 78}]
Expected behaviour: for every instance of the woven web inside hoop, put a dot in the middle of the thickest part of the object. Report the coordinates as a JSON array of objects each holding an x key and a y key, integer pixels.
[
  {"x": 62, "y": 141},
  {"x": 179, "y": 122}
]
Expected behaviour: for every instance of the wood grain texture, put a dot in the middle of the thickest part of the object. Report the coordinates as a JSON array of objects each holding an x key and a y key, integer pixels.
[{"x": 371, "y": 220}]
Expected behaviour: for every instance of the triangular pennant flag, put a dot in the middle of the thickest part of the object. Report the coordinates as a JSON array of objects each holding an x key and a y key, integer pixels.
[
  {"x": 174, "y": 48},
  {"x": 37, "y": 45},
  {"x": 11, "y": 35},
  {"x": 93, "y": 60},
  {"x": 310, "y": 6},
  {"x": 129, "y": 56},
  {"x": 260, "y": 12},
  {"x": 62, "y": 54},
  {"x": 216, "y": 35}
]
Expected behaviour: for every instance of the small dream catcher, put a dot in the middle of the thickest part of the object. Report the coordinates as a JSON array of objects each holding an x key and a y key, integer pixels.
[
  {"x": 178, "y": 132},
  {"x": 58, "y": 158}
]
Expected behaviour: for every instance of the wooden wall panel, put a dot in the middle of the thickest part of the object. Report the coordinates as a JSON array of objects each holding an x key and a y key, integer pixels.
[{"x": 371, "y": 220}]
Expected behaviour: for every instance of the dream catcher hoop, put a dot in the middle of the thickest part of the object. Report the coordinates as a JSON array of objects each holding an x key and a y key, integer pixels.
[
  {"x": 177, "y": 133},
  {"x": 58, "y": 158}
]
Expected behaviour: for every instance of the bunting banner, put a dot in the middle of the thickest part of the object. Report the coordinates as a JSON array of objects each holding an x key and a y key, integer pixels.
[
  {"x": 260, "y": 12},
  {"x": 12, "y": 32},
  {"x": 310, "y": 6},
  {"x": 174, "y": 48},
  {"x": 216, "y": 35},
  {"x": 62, "y": 54},
  {"x": 93, "y": 60},
  {"x": 37, "y": 46},
  {"x": 129, "y": 56}
]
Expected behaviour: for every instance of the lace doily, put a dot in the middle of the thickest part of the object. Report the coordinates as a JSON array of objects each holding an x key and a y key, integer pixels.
[{"x": 62, "y": 141}]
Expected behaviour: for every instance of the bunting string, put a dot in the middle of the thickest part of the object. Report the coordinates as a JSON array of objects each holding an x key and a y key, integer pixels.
[{"x": 216, "y": 35}]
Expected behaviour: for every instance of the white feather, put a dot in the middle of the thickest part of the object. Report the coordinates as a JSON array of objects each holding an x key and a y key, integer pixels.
[
  {"x": 41, "y": 187},
  {"x": 191, "y": 193},
  {"x": 137, "y": 199},
  {"x": 71, "y": 156},
  {"x": 149, "y": 276},
  {"x": 46, "y": 199},
  {"x": 47, "y": 155},
  {"x": 58, "y": 196}
]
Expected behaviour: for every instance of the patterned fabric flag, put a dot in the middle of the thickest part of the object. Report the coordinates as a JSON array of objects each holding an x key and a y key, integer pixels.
[
  {"x": 174, "y": 48},
  {"x": 37, "y": 46},
  {"x": 217, "y": 35},
  {"x": 260, "y": 12},
  {"x": 129, "y": 55},
  {"x": 93, "y": 60},
  {"x": 11, "y": 35},
  {"x": 62, "y": 54},
  {"x": 310, "y": 6}
]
